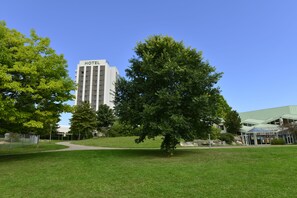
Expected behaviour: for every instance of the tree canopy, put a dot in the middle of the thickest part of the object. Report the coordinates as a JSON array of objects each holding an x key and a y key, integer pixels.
[
  {"x": 169, "y": 90},
  {"x": 232, "y": 122},
  {"x": 83, "y": 121},
  {"x": 105, "y": 117},
  {"x": 223, "y": 107},
  {"x": 34, "y": 82}
]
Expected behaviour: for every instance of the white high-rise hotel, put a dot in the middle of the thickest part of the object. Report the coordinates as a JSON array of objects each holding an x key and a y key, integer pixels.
[{"x": 96, "y": 83}]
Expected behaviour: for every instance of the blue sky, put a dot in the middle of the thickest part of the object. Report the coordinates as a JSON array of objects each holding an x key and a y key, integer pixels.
[{"x": 253, "y": 42}]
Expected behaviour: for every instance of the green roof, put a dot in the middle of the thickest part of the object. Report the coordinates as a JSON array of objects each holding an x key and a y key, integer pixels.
[
  {"x": 253, "y": 121},
  {"x": 267, "y": 115}
]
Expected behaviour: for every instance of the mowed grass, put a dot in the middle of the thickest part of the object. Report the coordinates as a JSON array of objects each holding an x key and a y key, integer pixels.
[
  {"x": 19, "y": 148},
  {"x": 236, "y": 172},
  {"x": 120, "y": 142}
]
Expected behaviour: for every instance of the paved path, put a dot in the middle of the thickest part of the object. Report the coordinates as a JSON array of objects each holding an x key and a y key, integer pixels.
[{"x": 75, "y": 147}]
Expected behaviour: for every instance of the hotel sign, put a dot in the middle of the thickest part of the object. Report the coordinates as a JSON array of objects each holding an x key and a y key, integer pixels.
[{"x": 91, "y": 62}]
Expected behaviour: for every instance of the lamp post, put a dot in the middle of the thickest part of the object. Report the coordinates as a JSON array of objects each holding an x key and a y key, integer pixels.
[
  {"x": 209, "y": 140},
  {"x": 51, "y": 125}
]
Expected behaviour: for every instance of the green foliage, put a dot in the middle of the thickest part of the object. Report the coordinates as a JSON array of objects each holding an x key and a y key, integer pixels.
[
  {"x": 115, "y": 130},
  {"x": 169, "y": 143},
  {"x": 215, "y": 133},
  {"x": 223, "y": 107},
  {"x": 278, "y": 141},
  {"x": 105, "y": 118},
  {"x": 232, "y": 122},
  {"x": 169, "y": 91},
  {"x": 122, "y": 129},
  {"x": 34, "y": 82},
  {"x": 227, "y": 137},
  {"x": 83, "y": 122}
]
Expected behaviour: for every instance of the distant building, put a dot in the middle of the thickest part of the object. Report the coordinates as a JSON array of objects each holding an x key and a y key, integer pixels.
[
  {"x": 96, "y": 83},
  {"x": 63, "y": 130},
  {"x": 261, "y": 126}
]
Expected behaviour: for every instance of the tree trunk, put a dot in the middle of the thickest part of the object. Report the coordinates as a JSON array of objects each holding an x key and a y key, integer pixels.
[{"x": 169, "y": 144}]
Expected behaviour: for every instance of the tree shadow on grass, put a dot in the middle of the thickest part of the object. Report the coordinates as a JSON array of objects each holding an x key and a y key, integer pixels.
[
  {"x": 19, "y": 157},
  {"x": 144, "y": 153},
  {"x": 123, "y": 153}
]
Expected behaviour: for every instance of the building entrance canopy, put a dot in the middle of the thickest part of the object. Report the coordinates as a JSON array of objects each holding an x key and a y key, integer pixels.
[{"x": 264, "y": 128}]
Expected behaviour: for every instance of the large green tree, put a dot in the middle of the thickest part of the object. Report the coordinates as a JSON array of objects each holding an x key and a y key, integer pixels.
[
  {"x": 232, "y": 122},
  {"x": 105, "y": 117},
  {"x": 83, "y": 121},
  {"x": 34, "y": 82},
  {"x": 169, "y": 91}
]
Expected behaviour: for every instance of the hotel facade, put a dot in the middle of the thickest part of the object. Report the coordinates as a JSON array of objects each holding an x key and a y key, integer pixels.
[{"x": 96, "y": 83}]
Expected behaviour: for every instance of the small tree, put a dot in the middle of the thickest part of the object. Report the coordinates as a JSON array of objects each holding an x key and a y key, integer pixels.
[
  {"x": 105, "y": 117},
  {"x": 169, "y": 91},
  {"x": 215, "y": 133},
  {"x": 83, "y": 121},
  {"x": 232, "y": 122}
]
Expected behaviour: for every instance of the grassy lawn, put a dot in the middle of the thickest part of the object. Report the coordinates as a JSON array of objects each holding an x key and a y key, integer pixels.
[
  {"x": 120, "y": 142},
  {"x": 18, "y": 148},
  {"x": 244, "y": 172}
]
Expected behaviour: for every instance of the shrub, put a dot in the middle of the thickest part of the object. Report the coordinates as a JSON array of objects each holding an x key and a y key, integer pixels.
[
  {"x": 278, "y": 141},
  {"x": 120, "y": 129},
  {"x": 215, "y": 133},
  {"x": 227, "y": 137}
]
